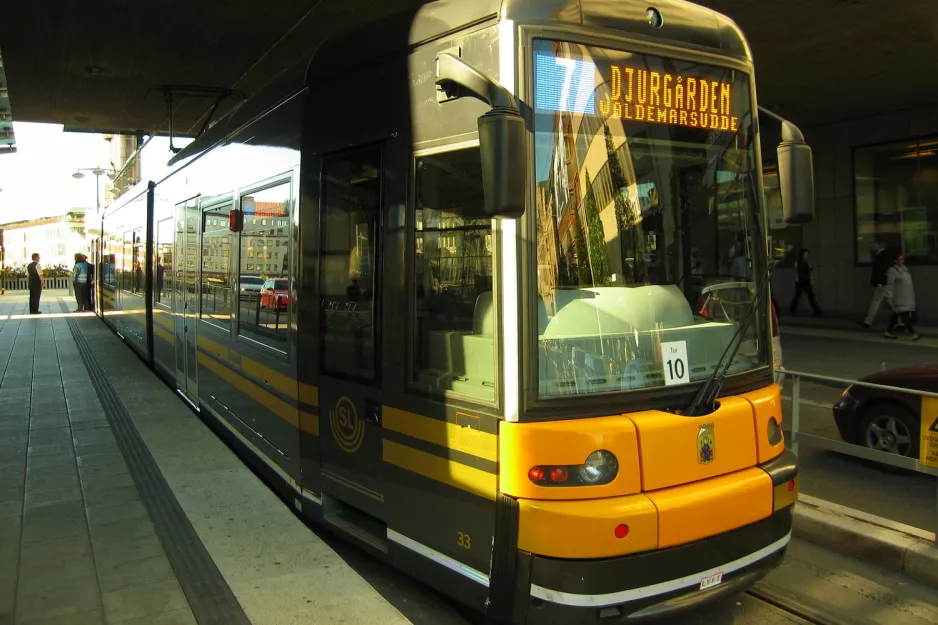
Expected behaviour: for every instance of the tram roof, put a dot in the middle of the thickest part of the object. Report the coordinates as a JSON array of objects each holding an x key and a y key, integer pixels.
[{"x": 90, "y": 67}]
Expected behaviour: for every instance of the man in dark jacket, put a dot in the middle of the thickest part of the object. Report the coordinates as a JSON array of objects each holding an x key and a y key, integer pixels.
[
  {"x": 881, "y": 264},
  {"x": 36, "y": 282}
]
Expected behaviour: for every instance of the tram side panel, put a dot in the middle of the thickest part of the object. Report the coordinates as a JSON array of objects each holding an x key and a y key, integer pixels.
[
  {"x": 245, "y": 339},
  {"x": 123, "y": 272},
  {"x": 438, "y": 457},
  {"x": 164, "y": 272}
]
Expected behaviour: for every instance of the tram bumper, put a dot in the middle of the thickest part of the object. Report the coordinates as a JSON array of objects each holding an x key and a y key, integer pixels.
[
  {"x": 653, "y": 584},
  {"x": 662, "y": 576}
]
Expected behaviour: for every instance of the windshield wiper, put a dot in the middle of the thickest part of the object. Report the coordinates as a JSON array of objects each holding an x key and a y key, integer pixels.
[{"x": 706, "y": 396}]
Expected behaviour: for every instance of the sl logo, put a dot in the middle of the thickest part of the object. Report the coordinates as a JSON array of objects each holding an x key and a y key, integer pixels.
[
  {"x": 705, "y": 444},
  {"x": 347, "y": 429}
]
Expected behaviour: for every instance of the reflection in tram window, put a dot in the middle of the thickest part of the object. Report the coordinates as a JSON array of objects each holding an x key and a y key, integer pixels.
[
  {"x": 645, "y": 228},
  {"x": 348, "y": 264},
  {"x": 263, "y": 280},
  {"x": 136, "y": 286},
  {"x": 454, "y": 328},
  {"x": 126, "y": 274},
  {"x": 164, "y": 262},
  {"x": 216, "y": 264}
]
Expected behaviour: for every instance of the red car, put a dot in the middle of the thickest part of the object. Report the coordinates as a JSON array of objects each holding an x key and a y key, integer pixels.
[{"x": 275, "y": 294}]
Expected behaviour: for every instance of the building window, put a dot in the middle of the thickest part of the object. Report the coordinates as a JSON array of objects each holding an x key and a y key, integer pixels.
[
  {"x": 216, "y": 275},
  {"x": 896, "y": 187},
  {"x": 454, "y": 328},
  {"x": 264, "y": 313}
]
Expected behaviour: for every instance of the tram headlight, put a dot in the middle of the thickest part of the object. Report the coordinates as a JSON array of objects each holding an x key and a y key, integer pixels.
[{"x": 601, "y": 467}]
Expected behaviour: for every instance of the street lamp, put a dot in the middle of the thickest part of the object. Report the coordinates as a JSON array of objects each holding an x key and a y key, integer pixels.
[{"x": 98, "y": 172}]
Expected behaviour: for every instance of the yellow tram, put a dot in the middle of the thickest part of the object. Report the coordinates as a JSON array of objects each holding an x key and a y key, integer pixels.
[{"x": 483, "y": 287}]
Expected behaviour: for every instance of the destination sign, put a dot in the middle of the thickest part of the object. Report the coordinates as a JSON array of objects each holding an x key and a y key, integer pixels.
[
  {"x": 666, "y": 98},
  {"x": 634, "y": 94}
]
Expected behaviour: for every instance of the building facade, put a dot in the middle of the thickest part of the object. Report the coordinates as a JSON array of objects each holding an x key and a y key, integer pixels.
[
  {"x": 876, "y": 179},
  {"x": 56, "y": 239}
]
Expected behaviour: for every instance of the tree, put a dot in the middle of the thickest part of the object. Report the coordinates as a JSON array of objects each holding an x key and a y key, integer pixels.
[
  {"x": 626, "y": 217},
  {"x": 597, "y": 237},
  {"x": 582, "y": 256}
]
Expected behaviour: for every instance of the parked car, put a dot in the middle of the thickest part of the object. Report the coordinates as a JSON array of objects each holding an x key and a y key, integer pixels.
[
  {"x": 249, "y": 287},
  {"x": 886, "y": 420},
  {"x": 275, "y": 294}
]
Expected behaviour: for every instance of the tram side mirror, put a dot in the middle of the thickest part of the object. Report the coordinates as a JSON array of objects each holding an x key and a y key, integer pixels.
[
  {"x": 502, "y": 149},
  {"x": 795, "y": 176},
  {"x": 502, "y": 134}
]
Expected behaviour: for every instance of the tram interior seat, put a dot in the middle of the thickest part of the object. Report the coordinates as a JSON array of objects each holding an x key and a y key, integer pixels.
[
  {"x": 464, "y": 361},
  {"x": 644, "y": 316}
]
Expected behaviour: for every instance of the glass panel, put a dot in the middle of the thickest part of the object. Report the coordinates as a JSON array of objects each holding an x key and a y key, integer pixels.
[
  {"x": 348, "y": 263},
  {"x": 216, "y": 268},
  {"x": 127, "y": 282},
  {"x": 647, "y": 220},
  {"x": 265, "y": 253},
  {"x": 164, "y": 262},
  {"x": 897, "y": 200},
  {"x": 138, "y": 275},
  {"x": 454, "y": 329}
]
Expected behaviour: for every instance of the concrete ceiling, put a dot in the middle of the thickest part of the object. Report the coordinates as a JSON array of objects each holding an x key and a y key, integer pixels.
[{"x": 90, "y": 65}]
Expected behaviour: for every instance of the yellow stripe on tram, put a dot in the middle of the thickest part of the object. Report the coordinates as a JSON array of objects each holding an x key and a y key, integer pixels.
[
  {"x": 466, "y": 478},
  {"x": 309, "y": 394},
  {"x": 442, "y": 433},
  {"x": 279, "y": 407}
]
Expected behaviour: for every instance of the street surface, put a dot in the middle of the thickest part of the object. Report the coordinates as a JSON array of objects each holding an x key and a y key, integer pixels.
[{"x": 901, "y": 496}]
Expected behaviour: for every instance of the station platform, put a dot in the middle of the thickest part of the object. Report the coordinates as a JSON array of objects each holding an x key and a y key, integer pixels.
[{"x": 119, "y": 505}]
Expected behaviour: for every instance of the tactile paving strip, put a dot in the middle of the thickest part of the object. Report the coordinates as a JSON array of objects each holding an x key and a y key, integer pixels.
[{"x": 210, "y": 598}]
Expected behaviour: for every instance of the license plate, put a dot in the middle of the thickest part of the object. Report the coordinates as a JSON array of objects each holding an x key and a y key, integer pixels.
[{"x": 710, "y": 582}]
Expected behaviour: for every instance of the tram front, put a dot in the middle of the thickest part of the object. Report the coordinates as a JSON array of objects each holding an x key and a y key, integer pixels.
[{"x": 646, "y": 463}]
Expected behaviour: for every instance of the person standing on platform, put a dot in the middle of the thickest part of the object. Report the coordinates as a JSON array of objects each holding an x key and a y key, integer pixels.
[
  {"x": 900, "y": 293},
  {"x": 36, "y": 283},
  {"x": 81, "y": 280},
  {"x": 881, "y": 265},
  {"x": 804, "y": 284}
]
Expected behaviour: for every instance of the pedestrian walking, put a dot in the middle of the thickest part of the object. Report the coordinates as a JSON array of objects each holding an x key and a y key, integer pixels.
[
  {"x": 804, "y": 284},
  {"x": 81, "y": 280},
  {"x": 881, "y": 265},
  {"x": 36, "y": 283},
  {"x": 900, "y": 293}
]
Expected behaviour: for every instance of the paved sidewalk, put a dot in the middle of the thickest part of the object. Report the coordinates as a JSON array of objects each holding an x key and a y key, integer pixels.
[{"x": 76, "y": 544}]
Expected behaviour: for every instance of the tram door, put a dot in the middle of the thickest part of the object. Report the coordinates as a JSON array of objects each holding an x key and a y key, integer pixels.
[
  {"x": 186, "y": 296},
  {"x": 349, "y": 281}
]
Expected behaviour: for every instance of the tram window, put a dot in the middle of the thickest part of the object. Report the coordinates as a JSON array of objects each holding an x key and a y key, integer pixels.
[
  {"x": 127, "y": 262},
  {"x": 264, "y": 292},
  {"x": 164, "y": 262},
  {"x": 348, "y": 270},
  {"x": 136, "y": 285},
  {"x": 454, "y": 328},
  {"x": 216, "y": 274}
]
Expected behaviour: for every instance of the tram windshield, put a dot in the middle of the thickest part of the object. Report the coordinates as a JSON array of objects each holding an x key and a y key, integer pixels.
[{"x": 647, "y": 220}]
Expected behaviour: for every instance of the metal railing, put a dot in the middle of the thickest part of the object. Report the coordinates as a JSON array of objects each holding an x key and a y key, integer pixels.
[
  {"x": 858, "y": 451},
  {"x": 22, "y": 284}
]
